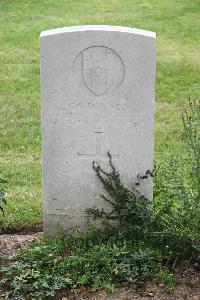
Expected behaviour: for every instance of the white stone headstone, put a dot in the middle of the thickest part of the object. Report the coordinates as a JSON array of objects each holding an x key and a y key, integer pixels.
[{"x": 97, "y": 96}]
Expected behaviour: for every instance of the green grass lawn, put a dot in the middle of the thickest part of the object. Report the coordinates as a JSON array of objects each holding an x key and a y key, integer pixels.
[{"x": 176, "y": 23}]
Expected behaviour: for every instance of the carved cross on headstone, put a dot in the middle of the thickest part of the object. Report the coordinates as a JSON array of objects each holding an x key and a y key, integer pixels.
[{"x": 97, "y": 157}]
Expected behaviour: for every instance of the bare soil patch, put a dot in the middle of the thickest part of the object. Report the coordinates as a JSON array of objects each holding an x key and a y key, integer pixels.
[{"x": 10, "y": 243}]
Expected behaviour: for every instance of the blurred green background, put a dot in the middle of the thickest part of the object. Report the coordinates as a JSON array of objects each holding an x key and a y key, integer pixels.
[{"x": 177, "y": 25}]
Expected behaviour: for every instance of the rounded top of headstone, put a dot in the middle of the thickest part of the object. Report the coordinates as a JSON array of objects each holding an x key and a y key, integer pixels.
[{"x": 103, "y": 28}]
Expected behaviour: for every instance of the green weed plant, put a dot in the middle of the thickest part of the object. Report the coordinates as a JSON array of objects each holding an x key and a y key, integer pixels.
[
  {"x": 177, "y": 190},
  {"x": 2, "y": 195}
]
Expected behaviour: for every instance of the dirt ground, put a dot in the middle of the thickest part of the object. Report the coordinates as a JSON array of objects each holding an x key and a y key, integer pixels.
[
  {"x": 9, "y": 243},
  {"x": 152, "y": 290}
]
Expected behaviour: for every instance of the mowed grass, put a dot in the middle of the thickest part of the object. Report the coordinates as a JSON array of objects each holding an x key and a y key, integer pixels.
[{"x": 176, "y": 23}]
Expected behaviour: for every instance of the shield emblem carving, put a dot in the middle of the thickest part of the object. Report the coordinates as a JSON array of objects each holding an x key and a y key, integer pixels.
[
  {"x": 98, "y": 69},
  {"x": 102, "y": 70}
]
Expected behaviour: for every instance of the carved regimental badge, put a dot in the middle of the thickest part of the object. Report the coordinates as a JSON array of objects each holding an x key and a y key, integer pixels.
[{"x": 98, "y": 70}]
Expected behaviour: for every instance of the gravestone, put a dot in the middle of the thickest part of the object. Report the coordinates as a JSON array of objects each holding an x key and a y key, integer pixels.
[{"x": 97, "y": 96}]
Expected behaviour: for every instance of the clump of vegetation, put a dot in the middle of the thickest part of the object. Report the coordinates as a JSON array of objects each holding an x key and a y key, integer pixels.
[
  {"x": 96, "y": 259},
  {"x": 191, "y": 137},
  {"x": 138, "y": 242},
  {"x": 177, "y": 191},
  {"x": 128, "y": 207},
  {"x": 2, "y": 195}
]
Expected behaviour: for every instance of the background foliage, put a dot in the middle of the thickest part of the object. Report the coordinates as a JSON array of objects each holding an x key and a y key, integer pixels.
[{"x": 176, "y": 24}]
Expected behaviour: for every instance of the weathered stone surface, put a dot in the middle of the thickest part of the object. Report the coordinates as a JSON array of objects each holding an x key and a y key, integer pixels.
[{"x": 97, "y": 96}]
